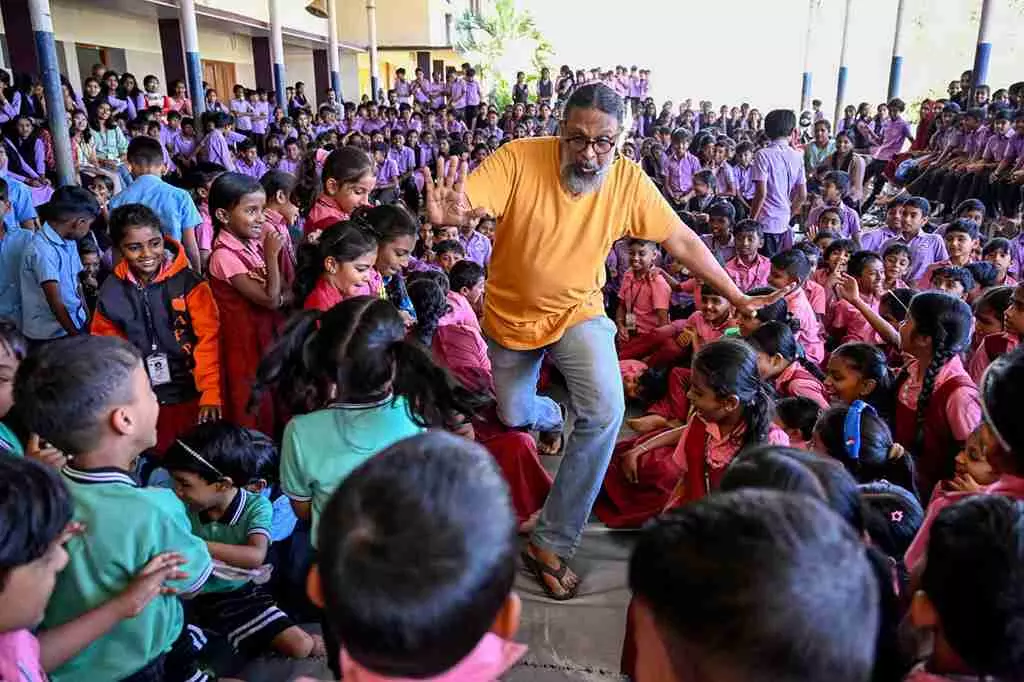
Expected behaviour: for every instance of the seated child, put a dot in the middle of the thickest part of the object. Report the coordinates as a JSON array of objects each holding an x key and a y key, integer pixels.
[
  {"x": 767, "y": 624},
  {"x": 178, "y": 332},
  {"x": 892, "y": 517},
  {"x": 797, "y": 416},
  {"x": 721, "y": 217},
  {"x": 998, "y": 323},
  {"x": 834, "y": 187},
  {"x": 860, "y": 293},
  {"x": 961, "y": 241},
  {"x": 896, "y": 262},
  {"x": 814, "y": 291},
  {"x": 859, "y": 439},
  {"x": 954, "y": 280},
  {"x": 749, "y": 269},
  {"x": 748, "y": 323},
  {"x": 984, "y": 275},
  {"x": 211, "y": 466},
  {"x": 792, "y": 267},
  {"x": 781, "y": 362},
  {"x": 824, "y": 239},
  {"x": 643, "y": 295},
  {"x": 980, "y": 542},
  {"x": 91, "y": 397},
  {"x": 998, "y": 252},
  {"x": 449, "y": 252},
  {"x": 13, "y": 349},
  {"x": 925, "y": 248},
  {"x": 453, "y": 623},
  {"x": 668, "y": 344},
  {"x": 858, "y": 371},
  {"x": 467, "y": 280},
  {"x": 446, "y": 232},
  {"x": 36, "y": 514}
]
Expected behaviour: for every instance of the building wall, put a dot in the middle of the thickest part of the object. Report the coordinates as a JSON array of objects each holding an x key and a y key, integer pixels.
[
  {"x": 293, "y": 13},
  {"x": 298, "y": 66}
]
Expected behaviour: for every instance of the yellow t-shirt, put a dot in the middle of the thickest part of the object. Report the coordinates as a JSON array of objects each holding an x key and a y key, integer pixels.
[{"x": 547, "y": 268}]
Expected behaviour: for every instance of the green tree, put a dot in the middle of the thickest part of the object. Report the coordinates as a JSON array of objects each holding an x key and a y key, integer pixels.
[{"x": 499, "y": 43}]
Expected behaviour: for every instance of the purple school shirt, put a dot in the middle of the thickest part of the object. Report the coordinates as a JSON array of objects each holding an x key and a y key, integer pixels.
[
  {"x": 289, "y": 166},
  {"x": 725, "y": 179},
  {"x": 723, "y": 252},
  {"x": 421, "y": 93},
  {"x": 781, "y": 168},
  {"x": 1014, "y": 148},
  {"x": 183, "y": 146},
  {"x": 242, "y": 111},
  {"x": 256, "y": 171},
  {"x": 894, "y": 132},
  {"x": 217, "y": 150},
  {"x": 387, "y": 172},
  {"x": 925, "y": 249},
  {"x": 679, "y": 172},
  {"x": 13, "y": 107},
  {"x": 617, "y": 262},
  {"x": 849, "y": 221},
  {"x": 404, "y": 158},
  {"x": 743, "y": 181},
  {"x": 875, "y": 239},
  {"x": 634, "y": 87},
  {"x": 259, "y": 126},
  {"x": 478, "y": 248},
  {"x": 472, "y": 93},
  {"x": 496, "y": 131},
  {"x": 996, "y": 146},
  {"x": 974, "y": 147},
  {"x": 456, "y": 127},
  {"x": 1017, "y": 254},
  {"x": 458, "y": 95},
  {"x": 371, "y": 126}
]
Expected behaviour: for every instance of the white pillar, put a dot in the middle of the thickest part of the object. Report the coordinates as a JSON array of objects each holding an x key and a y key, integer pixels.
[
  {"x": 841, "y": 80},
  {"x": 896, "y": 67},
  {"x": 805, "y": 81},
  {"x": 277, "y": 53},
  {"x": 984, "y": 49},
  {"x": 193, "y": 63},
  {"x": 371, "y": 21},
  {"x": 333, "y": 58}
]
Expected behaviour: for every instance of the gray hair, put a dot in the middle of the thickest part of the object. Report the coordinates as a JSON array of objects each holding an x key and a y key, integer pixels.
[{"x": 597, "y": 96}]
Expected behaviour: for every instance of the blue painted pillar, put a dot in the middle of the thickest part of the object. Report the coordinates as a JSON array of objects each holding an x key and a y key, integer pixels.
[
  {"x": 333, "y": 56},
  {"x": 193, "y": 62},
  {"x": 56, "y": 114},
  {"x": 984, "y": 49},
  {"x": 896, "y": 67},
  {"x": 277, "y": 53},
  {"x": 805, "y": 83},
  {"x": 843, "y": 70}
]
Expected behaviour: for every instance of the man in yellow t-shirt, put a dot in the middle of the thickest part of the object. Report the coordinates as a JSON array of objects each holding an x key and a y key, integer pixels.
[{"x": 561, "y": 202}]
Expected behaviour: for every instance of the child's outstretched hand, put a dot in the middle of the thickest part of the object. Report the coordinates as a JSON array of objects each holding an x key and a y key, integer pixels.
[
  {"x": 149, "y": 583},
  {"x": 209, "y": 413},
  {"x": 847, "y": 287},
  {"x": 630, "y": 460},
  {"x": 44, "y": 453}
]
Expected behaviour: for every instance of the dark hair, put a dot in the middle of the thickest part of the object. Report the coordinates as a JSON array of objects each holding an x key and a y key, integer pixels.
[
  {"x": 776, "y": 312},
  {"x": 878, "y": 458},
  {"x": 809, "y": 249},
  {"x": 948, "y": 321},
  {"x": 410, "y": 518},
  {"x": 980, "y": 541},
  {"x": 452, "y": 245},
  {"x": 145, "y": 152},
  {"x": 429, "y": 297},
  {"x": 902, "y": 297},
  {"x": 748, "y": 225},
  {"x": 869, "y": 361},
  {"x": 388, "y": 222},
  {"x": 996, "y": 245},
  {"x": 838, "y": 245},
  {"x": 730, "y": 368},
  {"x": 919, "y": 203},
  {"x": 35, "y": 507},
  {"x": 63, "y": 388},
  {"x": 235, "y": 452},
  {"x": 128, "y": 216},
  {"x": 69, "y": 202},
  {"x": 465, "y": 275},
  {"x": 970, "y": 205},
  {"x": 892, "y": 517},
  {"x": 707, "y": 177},
  {"x": 776, "y": 338},
  {"x": 722, "y": 209},
  {"x": 227, "y": 192},
  {"x": 793, "y": 262},
  {"x": 824, "y": 234},
  {"x": 245, "y": 145},
  {"x": 968, "y": 227},
  {"x": 893, "y": 249},
  {"x": 999, "y": 391},
  {"x": 359, "y": 346},
  {"x": 275, "y": 181},
  {"x": 12, "y": 341},
  {"x": 343, "y": 241},
  {"x": 978, "y": 274},
  {"x": 996, "y": 300},
  {"x": 798, "y": 412},
  {"x": 726, "y": 579},
  {"x": 596, "y": 96},
  {"x": 860, "y": 260},
  {"x": 841, "y": 179},
  {"x": 346, "y": 165},
  {"x": 779, "y": 123}
]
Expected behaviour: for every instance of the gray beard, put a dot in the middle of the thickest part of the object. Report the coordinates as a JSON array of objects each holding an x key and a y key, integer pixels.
[{"x": 583, "y": 184}]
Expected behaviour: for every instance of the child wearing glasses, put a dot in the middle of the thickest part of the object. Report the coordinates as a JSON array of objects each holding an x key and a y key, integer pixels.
[{"x": 219, "y": 470}]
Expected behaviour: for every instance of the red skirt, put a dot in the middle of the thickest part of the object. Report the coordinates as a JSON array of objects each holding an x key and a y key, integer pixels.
[
  {"x": 516, "y": 454},
  {"x": 173, "y": 421},
  {"x": 675, "y": 404},
  {"x": 622, "y": 504}
]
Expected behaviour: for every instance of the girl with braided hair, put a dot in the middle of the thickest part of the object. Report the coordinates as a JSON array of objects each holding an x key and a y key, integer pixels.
[{"x": 937, "y": 402}]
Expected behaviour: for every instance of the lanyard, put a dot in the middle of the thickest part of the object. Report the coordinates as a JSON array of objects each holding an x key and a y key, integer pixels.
[{"x": 147, "y": 313}]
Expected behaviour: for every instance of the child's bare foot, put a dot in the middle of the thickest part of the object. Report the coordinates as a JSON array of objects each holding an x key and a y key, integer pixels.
[
  {"x": 647, "y": 423},
  {"x": 297, "y": 643}
]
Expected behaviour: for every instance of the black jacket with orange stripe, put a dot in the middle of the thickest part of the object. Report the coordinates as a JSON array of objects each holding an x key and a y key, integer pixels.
[{"x": 182, "y": 323}]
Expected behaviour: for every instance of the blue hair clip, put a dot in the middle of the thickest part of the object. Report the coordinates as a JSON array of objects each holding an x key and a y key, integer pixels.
[{"x": 851, "y": 428}]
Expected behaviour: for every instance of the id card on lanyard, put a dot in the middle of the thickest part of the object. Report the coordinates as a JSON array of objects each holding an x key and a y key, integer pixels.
[{"x": 157, "y": 365}]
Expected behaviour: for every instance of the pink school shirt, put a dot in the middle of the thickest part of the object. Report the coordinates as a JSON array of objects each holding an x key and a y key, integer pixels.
[
  {"x": 704, "y": 332},
  {"x": 816, "y": 295},
  {"x": 491, "y": 659},
  {"x": 644, "y": 296},
  {"x": 721, "y": 449},
  {"x": 750, "y": 276},
  {"x": 239, "y": 258},
  {"x": 802, "y": 387},
  {"x": 979, "y": 360},
  {"x": 323, "y": 297},
  {"x": 19, "y": 657},
  {"x": 809, "y": 335},
  {"x": 461, "y": 312},
  {"x": 323, "y": 214},
  {"x": 963, "y": 411},
  {"x": 855, "y": 327},
  {"x": 204, "y": 230}
]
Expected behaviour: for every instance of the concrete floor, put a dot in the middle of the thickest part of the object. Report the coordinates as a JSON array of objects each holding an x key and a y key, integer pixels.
[{"x": 577, "y": 641}]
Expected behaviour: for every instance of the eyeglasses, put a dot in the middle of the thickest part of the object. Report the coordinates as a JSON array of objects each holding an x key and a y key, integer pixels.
[{"x": 579, "y": 143}]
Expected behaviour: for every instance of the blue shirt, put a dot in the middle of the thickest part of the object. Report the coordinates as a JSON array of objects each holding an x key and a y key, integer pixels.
[
  {"x": 174, "y": 206},
  {"x": 20, "y": 196},
  {"x": 49, "y": 258},
  {"x": 12, "y": 250}
]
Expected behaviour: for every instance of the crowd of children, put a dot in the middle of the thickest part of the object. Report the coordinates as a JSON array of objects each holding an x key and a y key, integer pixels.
[{"x": 240, "y": 343}]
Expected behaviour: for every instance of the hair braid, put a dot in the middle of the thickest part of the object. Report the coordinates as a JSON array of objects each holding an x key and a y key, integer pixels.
[{"x": 943, "y": 352}]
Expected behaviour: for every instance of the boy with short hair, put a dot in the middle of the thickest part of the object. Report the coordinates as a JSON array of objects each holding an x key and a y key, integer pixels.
[
  {"x": 177, "y": 210},
  {"x": 13, "y": 240},
  {"x": 721, "y": 216},
  {"x": 448, "y": 253},
  {"x": 749, "y": 269},
  {"x": 643, "y": 296},
  {"x": 477, "y": 246},
  {"x": 466, "y": 279},
  {"x": 780, "y": 185},
  {"x": 51, "y": 297},
  {"x": 925, "y": 248},
  {"x": 876, "y": 239},
  {"x": 792, "y": 267},
  {"x": 954, "y": 280},
  {"x": 961, "y": 240},
  {"x": 998, "y": 252},
  {"x": 90, "y": 397},
  {"x": 249, "y": 161},
  {"x": 834, "y": 187}
]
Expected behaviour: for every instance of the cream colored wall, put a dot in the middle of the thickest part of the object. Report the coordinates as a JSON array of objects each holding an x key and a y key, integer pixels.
[
  {"x": 293, "y": 13},
  {"x": 399, "y": 22},
  {"x": 298, "y": 66}
]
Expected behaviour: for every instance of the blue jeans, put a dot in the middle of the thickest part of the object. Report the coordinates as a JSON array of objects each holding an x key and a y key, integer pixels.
[{"x": 586, "y": 357}]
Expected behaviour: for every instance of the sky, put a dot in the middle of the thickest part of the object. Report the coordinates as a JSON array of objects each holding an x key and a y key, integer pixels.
[{"x": 730, "y": 51}]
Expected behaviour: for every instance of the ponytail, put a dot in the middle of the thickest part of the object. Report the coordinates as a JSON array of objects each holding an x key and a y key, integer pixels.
[
  {"x": 288, "y": 369},
  {"x": 758, "y": 414},
  {"x": 431, "y": 304},
  {"x": 777, "y": 338},
  {"x": 729, "y": 367},
  {"x": 435, "y": 398}
]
